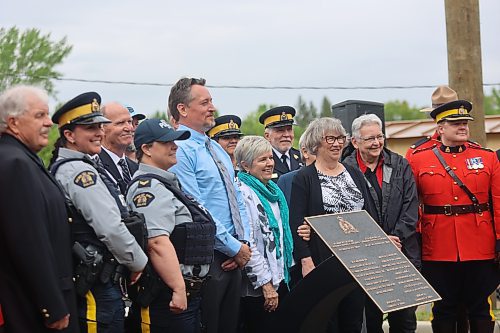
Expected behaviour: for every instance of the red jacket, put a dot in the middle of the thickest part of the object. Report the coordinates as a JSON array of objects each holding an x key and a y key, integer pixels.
[{"x": 469, "y": 236}]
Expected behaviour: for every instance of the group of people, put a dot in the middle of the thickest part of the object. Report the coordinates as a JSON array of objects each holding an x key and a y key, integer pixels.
[{"x": 203, "y": 228}]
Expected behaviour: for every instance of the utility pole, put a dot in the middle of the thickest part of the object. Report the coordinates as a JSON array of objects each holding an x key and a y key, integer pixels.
[{"x": 465, "y": 74}]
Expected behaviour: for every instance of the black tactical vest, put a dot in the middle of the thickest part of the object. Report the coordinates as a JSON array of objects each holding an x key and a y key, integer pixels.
[{"x": 194, "y": 241}]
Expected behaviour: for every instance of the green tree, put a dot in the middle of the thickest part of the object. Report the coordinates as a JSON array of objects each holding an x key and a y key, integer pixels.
[
  {"x": 326, "y": 108},
  {"x": 30, "y": 57},
  {"x": 492, "y": 102},
  {"x": 401, "y": 110},
  {"x": 305, "y": 112},
  {"x": 159, "y": 115},
  {"x": 250, "y": 125},
  {"x": 46, "y": 153}
]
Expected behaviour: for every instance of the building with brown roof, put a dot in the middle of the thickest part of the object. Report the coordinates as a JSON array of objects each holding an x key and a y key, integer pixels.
[{"x": 402, "y": 134}]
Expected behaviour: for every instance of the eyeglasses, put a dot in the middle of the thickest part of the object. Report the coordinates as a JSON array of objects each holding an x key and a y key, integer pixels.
[
  {"x": 372, "y": 139},
  {"x": 330, "y": 139}
]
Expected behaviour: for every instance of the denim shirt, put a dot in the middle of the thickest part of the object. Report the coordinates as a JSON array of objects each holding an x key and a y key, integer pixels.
[{"x": 200, "y": 177}]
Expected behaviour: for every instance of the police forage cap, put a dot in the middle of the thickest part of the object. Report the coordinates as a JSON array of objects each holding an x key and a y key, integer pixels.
[
  {"x": 84, "y": 109},
  {"x": 226, "y": 125},
  {"x": 278, "y": 117},
  {"x": 456, "y": 110},
  {"x": 157, "y": 130}
]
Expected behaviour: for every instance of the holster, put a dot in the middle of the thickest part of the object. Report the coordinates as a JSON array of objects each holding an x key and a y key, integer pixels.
[
  {"x": 149, "y": 286},
  {"x": 194, "y": 285},
  {"x": 87, "y": 269}
]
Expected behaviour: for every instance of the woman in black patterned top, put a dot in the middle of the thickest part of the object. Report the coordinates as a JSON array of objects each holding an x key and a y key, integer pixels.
[{"x": 326, "y": 187}]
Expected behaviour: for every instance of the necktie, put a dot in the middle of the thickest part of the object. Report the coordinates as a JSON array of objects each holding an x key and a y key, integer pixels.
[
  {"x": 230, "y": 190},
  {"x": 98, "y": 161},
  {"x": 125, "y": 171},
  {"x": 283, "y": 159}
]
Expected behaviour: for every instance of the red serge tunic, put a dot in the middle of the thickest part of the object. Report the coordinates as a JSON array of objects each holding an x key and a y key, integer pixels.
[{"x": 456, "y": 237}]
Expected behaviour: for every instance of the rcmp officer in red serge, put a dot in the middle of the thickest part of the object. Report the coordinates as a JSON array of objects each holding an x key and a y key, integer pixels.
[
  {"x": 278, "y": 131},
  {"x": 227, "y": 133},
  {"x": 455, "y": 181}
]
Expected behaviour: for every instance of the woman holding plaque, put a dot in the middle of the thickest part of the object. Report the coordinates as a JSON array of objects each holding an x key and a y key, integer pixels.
[{"x": 326, "y": 187}]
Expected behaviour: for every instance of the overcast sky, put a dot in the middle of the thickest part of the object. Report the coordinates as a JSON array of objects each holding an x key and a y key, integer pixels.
[{"x": 254, "y": 43}]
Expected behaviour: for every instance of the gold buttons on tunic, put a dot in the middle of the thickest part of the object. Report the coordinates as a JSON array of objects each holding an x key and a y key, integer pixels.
[{"x": 456, "y": 198}]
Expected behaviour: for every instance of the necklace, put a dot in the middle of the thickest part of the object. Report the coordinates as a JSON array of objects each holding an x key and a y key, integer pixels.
[{"x": 327, "y": 171}]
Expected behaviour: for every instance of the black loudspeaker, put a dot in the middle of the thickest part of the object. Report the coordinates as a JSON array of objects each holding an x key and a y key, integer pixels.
[{"x": 349, "y": 110}]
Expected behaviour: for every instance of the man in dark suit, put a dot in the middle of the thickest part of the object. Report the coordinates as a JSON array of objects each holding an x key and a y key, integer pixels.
[
  {"x": 36, "y": 287},
  {"x": 118, "y": 135},
  {"x": 285, "y": 182},
  {"x": 278, "y": 131}
]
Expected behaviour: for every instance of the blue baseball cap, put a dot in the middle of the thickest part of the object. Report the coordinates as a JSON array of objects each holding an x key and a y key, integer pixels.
[
  {"x": 157, "y": 130},
  {"x": 134, "y": 114}
]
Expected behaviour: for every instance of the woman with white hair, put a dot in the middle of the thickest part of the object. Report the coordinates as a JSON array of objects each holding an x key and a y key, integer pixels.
[
  {"x": 393, "y": 190},
  {"x": 325, "y": 187},
  {"x": 267, "y": 272}
]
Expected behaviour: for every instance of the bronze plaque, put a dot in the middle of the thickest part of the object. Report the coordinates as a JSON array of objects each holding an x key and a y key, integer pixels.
[{"x": 379, "y": 267}]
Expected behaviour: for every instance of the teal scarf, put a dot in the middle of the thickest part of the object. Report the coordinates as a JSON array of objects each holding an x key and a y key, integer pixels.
[{"x": 272, "y": 193}]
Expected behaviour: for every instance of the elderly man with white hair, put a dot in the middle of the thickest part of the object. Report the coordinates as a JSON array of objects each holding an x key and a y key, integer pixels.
[
  {"x": 36, "y": 286},
  {"x": 392, "y": 188}
]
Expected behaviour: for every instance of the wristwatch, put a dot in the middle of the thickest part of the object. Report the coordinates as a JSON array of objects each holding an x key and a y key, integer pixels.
[{"x": 245, "y": 242}]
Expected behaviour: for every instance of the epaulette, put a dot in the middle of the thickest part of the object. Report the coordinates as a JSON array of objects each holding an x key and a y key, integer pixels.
[
  {"x": 423, "y": 149},
  {"x": 420, "y": 142},
  {"x": 473, "y": 144},
  {"x": 476, "y": 145},
  {"x": 481, "y": 148}
]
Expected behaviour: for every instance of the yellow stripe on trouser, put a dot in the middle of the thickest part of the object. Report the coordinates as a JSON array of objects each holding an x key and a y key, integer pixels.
[
  {"x": 491, "y": 310},
  {"x": 91, "y": 313},
  {"x": 145, "y": 321},
  {"x": 492, "y": 314}
]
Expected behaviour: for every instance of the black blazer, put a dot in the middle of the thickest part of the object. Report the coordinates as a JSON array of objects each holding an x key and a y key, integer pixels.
[
  {"x": 111, "y": 167},
  {"x": 307, "y": 200},
  {"x": 35, "y": 249},
  {"x": 280, "y": 168}
]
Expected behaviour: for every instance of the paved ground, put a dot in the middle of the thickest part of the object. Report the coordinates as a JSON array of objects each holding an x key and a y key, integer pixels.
[{"x": 425, "y": 327}]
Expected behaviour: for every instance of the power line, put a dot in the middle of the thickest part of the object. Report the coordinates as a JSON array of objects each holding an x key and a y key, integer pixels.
[{"x": 157, "y": 84}]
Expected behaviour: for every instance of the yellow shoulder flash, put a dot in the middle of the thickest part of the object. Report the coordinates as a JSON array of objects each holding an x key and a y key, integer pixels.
[{"x": 85, "y": 179}]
